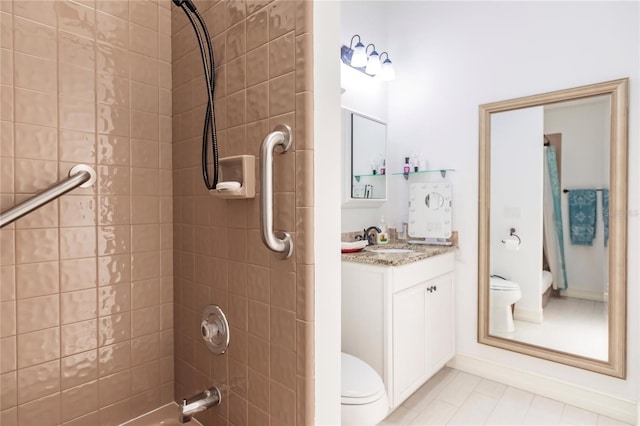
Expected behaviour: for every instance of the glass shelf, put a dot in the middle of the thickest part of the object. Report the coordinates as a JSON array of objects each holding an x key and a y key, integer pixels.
[
  {"x": 443, "y": 172},
  {"x": 357, "y": 177}
]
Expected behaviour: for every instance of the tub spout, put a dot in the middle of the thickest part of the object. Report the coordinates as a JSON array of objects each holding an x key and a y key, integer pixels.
[{"x": 198, "y": 403}]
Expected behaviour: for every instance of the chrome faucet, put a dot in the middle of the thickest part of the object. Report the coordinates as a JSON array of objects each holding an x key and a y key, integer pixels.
[
  {"x": 199, "y": 403},
  {"x": 368, "y": 235}
]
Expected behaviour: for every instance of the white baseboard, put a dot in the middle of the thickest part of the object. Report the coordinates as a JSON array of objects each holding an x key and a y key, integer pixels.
[
  {"x": 529, "y": 315},
  {"x": 582, "y": 294},
  {"x": 588, "y": 399}
]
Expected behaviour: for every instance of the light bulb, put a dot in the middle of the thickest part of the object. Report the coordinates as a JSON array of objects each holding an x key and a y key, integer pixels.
[
  {"x": 373, "y": 64},
  {"x": 387, "y": 73},
  {"x": 359, "y": 57}
]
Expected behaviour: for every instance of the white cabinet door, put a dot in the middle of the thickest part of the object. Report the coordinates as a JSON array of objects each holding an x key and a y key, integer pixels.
[
  {"x": 409, "y": 342},
  {"x": 440, "y": 324}
]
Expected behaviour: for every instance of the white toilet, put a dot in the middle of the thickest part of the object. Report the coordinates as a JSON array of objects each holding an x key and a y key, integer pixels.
[
  {"x": 502, "y": 294},
  {"x": 364, "y": 399}
]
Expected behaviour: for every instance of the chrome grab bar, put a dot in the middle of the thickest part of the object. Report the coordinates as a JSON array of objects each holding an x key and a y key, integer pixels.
[
  {"x": 79, "y": 175},
  {"x": 283, "y": 137}
]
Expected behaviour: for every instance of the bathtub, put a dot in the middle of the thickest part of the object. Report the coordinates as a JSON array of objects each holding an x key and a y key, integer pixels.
[{"x": 167, "y": 415}]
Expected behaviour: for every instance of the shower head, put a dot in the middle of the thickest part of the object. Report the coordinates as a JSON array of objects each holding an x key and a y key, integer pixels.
[{"x": 189, "y": 4}]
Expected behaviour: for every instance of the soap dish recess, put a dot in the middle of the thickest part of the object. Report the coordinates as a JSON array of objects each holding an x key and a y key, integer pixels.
[{"x": 237, "y": 177}]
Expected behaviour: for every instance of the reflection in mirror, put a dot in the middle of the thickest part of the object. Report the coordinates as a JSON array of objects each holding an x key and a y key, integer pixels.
[
  {"x": 554, "y": 167},
  {"x": 364, "y": 173}
]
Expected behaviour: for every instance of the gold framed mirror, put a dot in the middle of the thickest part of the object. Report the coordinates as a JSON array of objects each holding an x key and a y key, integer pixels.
[{"x": 544, "y": 217}]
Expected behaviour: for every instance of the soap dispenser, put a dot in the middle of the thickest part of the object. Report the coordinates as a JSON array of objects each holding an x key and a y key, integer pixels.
[{"x": 383, "y": 235}]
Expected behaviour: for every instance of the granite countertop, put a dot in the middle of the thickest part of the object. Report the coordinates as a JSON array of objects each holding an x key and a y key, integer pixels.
[{"x": 420, "y": 252}]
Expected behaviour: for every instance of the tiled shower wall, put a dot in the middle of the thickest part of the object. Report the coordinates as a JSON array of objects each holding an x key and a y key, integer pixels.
[
  {"x": 263, "y": 58},
  {"x": 86, "y": 282}
]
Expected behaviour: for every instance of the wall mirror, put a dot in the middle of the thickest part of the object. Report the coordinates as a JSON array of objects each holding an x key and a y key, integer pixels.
[
  {"x": 553, "y": 226},
  {"x": 364, "y": 174}
]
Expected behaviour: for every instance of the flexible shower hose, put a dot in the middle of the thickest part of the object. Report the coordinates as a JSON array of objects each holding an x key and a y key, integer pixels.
[{"x": 209, "y": 73}]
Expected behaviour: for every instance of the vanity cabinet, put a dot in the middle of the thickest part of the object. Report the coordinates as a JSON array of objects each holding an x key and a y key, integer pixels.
[{"x": 400, "y": 320}]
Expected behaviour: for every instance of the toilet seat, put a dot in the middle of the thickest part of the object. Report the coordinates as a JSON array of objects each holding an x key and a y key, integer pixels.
[
  {"x": 502, "y": 285},
  {"x": 360, "y": 383}
]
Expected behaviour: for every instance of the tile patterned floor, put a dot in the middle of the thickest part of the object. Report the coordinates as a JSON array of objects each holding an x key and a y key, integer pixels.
[
  {"x": 453, "y": 397},
  {"x": 571, "y": 325}
]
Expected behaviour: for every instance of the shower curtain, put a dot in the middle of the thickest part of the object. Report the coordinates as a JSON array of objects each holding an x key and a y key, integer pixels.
[{"x": 552, "y": 221}]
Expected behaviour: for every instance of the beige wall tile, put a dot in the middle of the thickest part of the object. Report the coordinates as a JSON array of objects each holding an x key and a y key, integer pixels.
[
  {"x": 78, "y": 369},
  {"x": 78, "y": 337},
  {"x": 37, "y": 279},
  {"x": 119, "y": 8},
  {"x": 8, "y": 390},
  {"x": 112, "y": 30},
  {"x": 257, "y": 29},
  {"x": 282, "y": 18},
  {"x": 8, "y": 352},
  {"x": 34, "y": 39},
  {"x": 114, "y": 387},
  {"x": 282, "y": 55},
  {"x": 71, "y": 75},
  {"x": 78, "y": 305},
  {"x": 114, "y": 358},
  {"x": 143, "y": 40},
  {"x": 79, "y": 400},
  {"x": 38, "y": 347},
  {"x": 115, "y": 414},
  {"x": 114, "y": 299},
  {"x": 38, "y": 381},
  {"x": 76, "y": 81},
  {"x": 35, "y": 108},
  {"x": 37, "y": 313},
  {"x": 44, "y": 411},
  {"x": 34, "y": 73},
  {"x": 112, "y": 60},
  {"x": 43, "y": 12},
  {"x": 283, "y": 366},
  {"x": 113, "y": 150},
  {"x": 77, "y": 50},
  {"x": 114, "y": 329},
  {"x": 76, "y": 19}
]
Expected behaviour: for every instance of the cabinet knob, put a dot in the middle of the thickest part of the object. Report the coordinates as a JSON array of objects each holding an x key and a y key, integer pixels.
[{"x": 435, "y": 288}]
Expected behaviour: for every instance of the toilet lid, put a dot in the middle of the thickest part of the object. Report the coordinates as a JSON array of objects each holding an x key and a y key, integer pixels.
[
  {"x": 359, "y": 381},
  {"x": 504, "y": 285}
]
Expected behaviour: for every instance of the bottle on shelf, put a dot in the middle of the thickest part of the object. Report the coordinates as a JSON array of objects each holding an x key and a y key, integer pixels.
[
  {"x": 414, "y": 162},
  {"x": 407, "y": 167},
  {"x": 383, "y": 235}
]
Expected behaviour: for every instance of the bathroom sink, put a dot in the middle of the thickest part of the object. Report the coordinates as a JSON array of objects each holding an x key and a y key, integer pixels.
[{"x": 393, "y": 251}]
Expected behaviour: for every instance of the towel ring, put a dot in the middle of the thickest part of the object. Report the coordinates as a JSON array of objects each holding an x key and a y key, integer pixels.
[{"x": 512, "y": 233}]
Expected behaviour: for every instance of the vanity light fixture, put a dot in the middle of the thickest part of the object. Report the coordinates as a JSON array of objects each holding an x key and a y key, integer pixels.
[{"x": 359, "y": 58}]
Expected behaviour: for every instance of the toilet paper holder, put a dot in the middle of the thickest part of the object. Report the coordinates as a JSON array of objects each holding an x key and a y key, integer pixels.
[{"x": 512, "y": 233}]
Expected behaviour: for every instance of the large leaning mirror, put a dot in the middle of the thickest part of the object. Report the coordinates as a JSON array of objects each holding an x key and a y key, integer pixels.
[
  {"x": 553, "y": 226},
  {"x": 364, "y": 174}
]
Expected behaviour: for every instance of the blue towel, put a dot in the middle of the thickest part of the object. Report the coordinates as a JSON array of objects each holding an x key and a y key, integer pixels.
[
  {"x": 582, "y": 216},
  {"x": 605, "y": 215}
]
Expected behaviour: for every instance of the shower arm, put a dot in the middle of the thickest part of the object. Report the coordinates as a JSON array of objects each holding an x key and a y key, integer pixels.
[{"x": 283, "y": 137}]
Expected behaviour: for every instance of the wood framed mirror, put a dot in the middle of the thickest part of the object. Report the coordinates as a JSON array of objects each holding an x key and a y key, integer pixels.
[{"x": 547, "y": 163}]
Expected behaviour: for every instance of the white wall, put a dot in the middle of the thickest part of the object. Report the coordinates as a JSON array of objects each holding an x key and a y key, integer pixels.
[
  {"x": 585, "y": 133},
  {"x": 516, "y": 202},
  {"x": 364, "y": 94},
  {"x": 326, "y": 213},
  {"x": 451, "y": 57}
]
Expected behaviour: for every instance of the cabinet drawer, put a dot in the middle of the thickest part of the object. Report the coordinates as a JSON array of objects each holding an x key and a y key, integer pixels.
[{"x": 409, "y": 275}]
